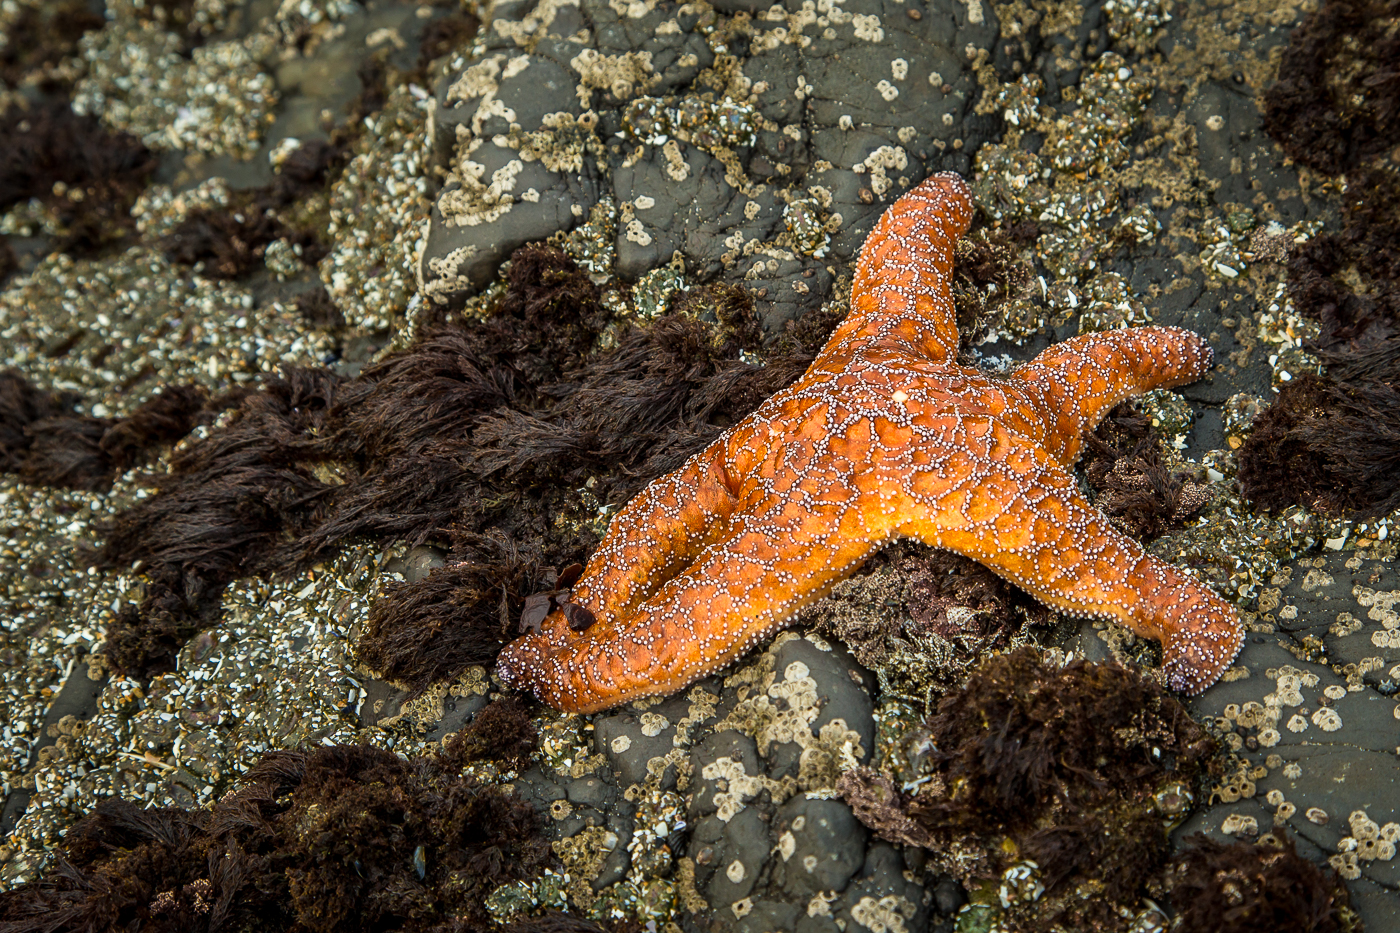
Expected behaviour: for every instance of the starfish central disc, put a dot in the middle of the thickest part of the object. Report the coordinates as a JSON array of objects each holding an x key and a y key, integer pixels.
[{"x": 884, "y": 437}]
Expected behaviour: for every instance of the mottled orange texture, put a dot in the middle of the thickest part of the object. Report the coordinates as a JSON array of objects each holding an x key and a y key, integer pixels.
[{"x": 884, "y": 437}]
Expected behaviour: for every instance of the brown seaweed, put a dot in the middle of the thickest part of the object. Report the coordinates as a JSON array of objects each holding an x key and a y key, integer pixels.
[
  {"x": 477, "y": 438},
  {"x": 346, "y": 837},
  {"x": 45, "y": 441},
  {"x": 1078, "y": 768},
  {"x": 1260, "y": 887},
  {"x": 87, "y": 175}
]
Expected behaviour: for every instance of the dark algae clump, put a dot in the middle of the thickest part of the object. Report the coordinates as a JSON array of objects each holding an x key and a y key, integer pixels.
[
  {"x": 503, "y": 731},
  {"x": 43, "y": 440},
  {"x": 1330, "y": 442},
  {"x": 1337, "y": 100},
  {"x": 87, "y": 175},
  {"x": 1329, "y": 445},
  {"x": 1125, "y": 462},
  {"x": 341, "y": 838},
  {"x": 41, "y": 37},
  {"x": 1260, "y": 887},
  {"x": 230, "y": 242},
  {"x": 1064, "y": 779}
]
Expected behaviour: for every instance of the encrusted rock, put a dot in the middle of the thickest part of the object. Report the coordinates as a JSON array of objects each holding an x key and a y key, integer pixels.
[
  {"x": 755, "y": 145},
  {"x": 1310, "y": 716},
  {"x": 723, "y": 799}
]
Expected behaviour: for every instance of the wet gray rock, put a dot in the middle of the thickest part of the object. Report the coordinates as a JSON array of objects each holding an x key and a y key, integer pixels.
[
  {"x": 457, "y": 712},
  {"x": 753, "y": 148},
  {"x": 765, "y": 862},
  {"x": 1347, "y": 604},
  {"x": 820, "y": 849},
  {"x": 1310, "y": 713}
]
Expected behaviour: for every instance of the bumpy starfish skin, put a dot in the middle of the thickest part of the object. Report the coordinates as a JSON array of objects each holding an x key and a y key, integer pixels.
[{"x": 884, "y": 437}]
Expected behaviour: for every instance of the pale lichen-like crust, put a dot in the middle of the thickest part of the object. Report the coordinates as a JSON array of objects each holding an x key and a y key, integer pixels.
[{"x": 884, "y": 437}]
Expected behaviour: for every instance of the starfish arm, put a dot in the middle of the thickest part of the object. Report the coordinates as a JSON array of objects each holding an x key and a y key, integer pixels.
[
  {"x": 1074, "y": 384},
  {"x": 676, "y": 516},
  {"x": 900, "y": 299},
  {"x": 739, "y": 591},
  {"x": 1012, "y": 508},
  {"x": 652, "y": 539}
]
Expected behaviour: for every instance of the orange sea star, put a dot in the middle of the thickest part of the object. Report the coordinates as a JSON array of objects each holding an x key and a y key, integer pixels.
[{"x": 885, "y": 436}]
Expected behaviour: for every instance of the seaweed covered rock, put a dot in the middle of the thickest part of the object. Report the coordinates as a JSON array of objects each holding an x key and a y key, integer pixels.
[
  {"x": 476, "y": 436},
  {"x": 85, "y": 175},
  {"x": 1260, "y": 887},
  {"x": 1333, "y": 106},
  {"x": 310, "y": 840},
  {"x": 1046, "y": 789},
  {"x": 46, "y": 441},
  {"x": 1329, "y": 445},
  {"x": 1329, "y": 441}
]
